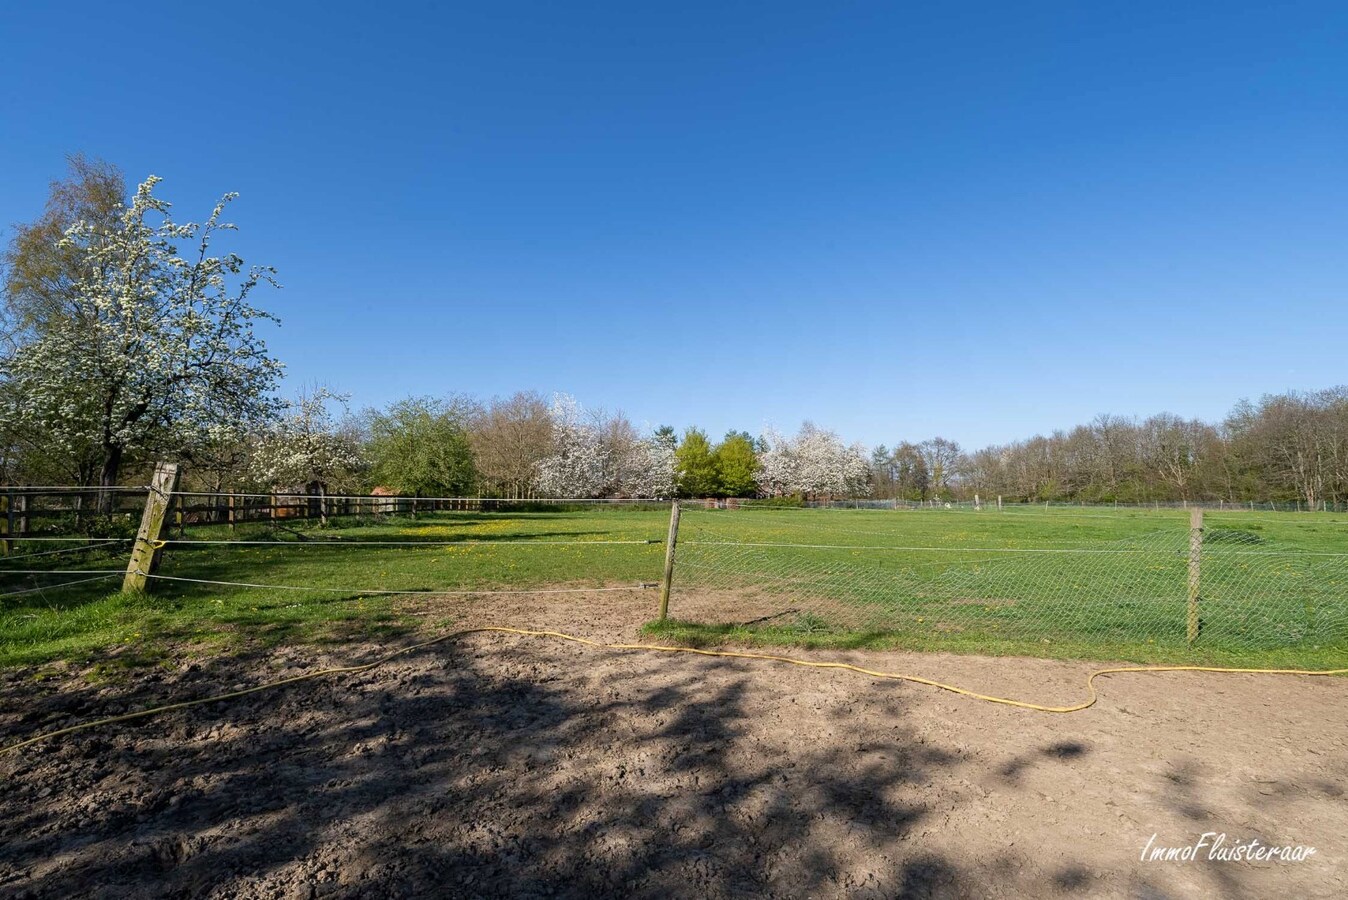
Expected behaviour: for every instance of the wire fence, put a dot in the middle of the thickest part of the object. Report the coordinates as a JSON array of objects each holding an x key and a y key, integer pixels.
[
  {"x": 973, "y": 577},
  {"x": 371, "y": 545},
  {"x": 989, "y": 579},
  {"x": 1004, "y": 504}
]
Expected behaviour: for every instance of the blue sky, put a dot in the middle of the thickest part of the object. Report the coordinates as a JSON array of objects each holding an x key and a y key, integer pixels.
[{"x": 897, "y": 220}]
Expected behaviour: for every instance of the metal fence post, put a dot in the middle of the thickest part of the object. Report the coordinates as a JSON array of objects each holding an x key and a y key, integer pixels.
[{"x": 1195, "y": 569}]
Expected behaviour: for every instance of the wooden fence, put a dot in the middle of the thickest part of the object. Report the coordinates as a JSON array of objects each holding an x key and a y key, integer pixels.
[
  {"x": 26, "y": 510},
  {"x": 30, "y": 512},
  {"x": 205, "y": 508}
]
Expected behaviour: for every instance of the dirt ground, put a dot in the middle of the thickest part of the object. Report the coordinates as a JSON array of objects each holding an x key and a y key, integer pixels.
[{"x": 510, "y": 766}]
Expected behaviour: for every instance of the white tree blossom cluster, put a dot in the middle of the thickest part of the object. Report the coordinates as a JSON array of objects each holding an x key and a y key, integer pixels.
[
  {"x": 305, "y": 444},
  {"x": 151, "y": 350},
  {"x": 815, "y": 463},
  {"x": 594, "y": 458},
  {"x": 577, "y": 465},
  {"x": 647, "y": 469}
]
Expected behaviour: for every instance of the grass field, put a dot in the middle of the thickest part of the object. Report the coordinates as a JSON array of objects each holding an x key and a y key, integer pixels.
[
  {"x": 1093, "y": 584},
  {"x": 1072, "y": 583},
  {"x": 463, "y": 551}
]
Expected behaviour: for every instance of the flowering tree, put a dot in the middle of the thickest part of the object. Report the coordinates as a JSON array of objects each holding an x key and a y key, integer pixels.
[
  {"x": 649, "y": 469},
  {"x": 149, "y": 350},
  {"x": 578, "y": 463},
  {"x": 597, "y": 457},
  {"x": 776, "y": 465},
  {"x": 306, "y": 446},
  {"x": 814, "y": 463}
]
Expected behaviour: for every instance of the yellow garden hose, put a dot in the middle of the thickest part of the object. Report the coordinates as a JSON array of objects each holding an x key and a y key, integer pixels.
[{"x": 735, "y": 654}]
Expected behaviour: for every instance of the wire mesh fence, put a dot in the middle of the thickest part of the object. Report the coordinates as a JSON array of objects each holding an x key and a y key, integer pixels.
[
  {"x": 982, "y": 578},
  {"x": 1012, "y": 504},
  {"x": 976, "y": 578}
]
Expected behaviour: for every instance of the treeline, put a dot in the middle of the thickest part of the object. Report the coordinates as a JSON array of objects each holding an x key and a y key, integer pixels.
[
  {"x": 522, "y": 446},
  {"x": 1290, "y": 447},
  {"x": 118, "y": 348},
  {"x": 1285, "y": 447}
]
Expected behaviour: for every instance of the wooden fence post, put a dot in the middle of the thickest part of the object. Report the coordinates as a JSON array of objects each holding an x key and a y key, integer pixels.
[
  {"x": 16, "y": 518},
  {"x": 145, "y": 553},
  {"x": 1195, "y": 569},
  {"x": 667, "y": 582},
  {"x": 18, "y": 515}
]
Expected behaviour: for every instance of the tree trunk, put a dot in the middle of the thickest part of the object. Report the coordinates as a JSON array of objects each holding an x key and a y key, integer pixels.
[{"x": 107, "y": 478}]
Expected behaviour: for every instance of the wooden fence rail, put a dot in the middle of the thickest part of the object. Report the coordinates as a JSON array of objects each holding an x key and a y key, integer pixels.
[
  {"x": 191, "y": 508},
  {"x": 34, "y": 511}
]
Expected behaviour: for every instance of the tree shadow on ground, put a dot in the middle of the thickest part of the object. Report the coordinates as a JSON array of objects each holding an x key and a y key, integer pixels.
[{"x": 469, "y": 769}]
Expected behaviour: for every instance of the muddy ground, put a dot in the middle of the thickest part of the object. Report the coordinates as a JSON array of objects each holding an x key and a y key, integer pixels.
[{"x": 508, "y": 766}]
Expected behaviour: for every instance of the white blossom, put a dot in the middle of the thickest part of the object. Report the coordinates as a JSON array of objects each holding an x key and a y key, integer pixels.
[
  {"x": 815, "y": 463},
  {"x": 578, "y": 465},
  {"x": 305, "y": 445},
  {"x": 153, "y": 351},
  {"x": 650, "y": 470},
  {"x": 595, "y": 457}
]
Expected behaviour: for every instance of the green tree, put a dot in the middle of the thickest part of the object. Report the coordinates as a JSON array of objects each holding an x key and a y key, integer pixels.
[
  {"x": 911, "y": 474},
  {"x": 41, "y": 270},
  {"x": 420, "y": 446},
  {"x": 39, "y": 277},
  {"x": 696, "y": 466},
  {"x": 737, "y": 465}
]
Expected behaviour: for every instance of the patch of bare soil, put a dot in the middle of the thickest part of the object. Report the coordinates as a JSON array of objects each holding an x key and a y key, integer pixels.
[{"x": 506, "y": 766}]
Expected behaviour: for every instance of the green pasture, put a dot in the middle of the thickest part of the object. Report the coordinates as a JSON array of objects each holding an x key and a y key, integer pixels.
[
  {"x": 1274, "y": 590},
  {"x": 1071, "y": 583}
]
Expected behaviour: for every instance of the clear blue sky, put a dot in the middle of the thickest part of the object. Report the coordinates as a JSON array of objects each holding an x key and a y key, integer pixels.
[{"x": 897, "y": 220}]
